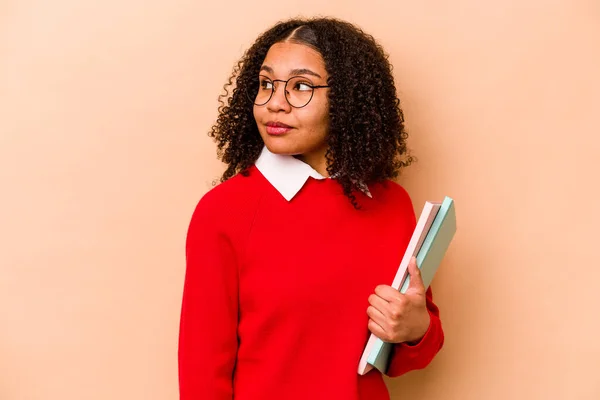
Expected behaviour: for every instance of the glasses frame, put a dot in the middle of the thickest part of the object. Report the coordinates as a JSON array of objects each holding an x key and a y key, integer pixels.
[{"x": 313, "y": 87}]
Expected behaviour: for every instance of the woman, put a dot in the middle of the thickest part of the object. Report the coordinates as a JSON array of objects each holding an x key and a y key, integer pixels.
[{"x": 290, "y": 257}]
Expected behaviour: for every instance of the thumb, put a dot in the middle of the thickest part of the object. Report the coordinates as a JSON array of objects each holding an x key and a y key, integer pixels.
[{"x": 416, "y": 281}]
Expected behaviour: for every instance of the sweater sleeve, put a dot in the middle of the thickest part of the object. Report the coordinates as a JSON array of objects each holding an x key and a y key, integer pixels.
[
  {"x": 209, "y": 313},
  {"x": 407, "y": 357}
]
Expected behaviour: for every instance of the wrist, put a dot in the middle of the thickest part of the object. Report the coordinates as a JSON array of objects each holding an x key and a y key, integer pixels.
[{"x": 421, "y": 331}]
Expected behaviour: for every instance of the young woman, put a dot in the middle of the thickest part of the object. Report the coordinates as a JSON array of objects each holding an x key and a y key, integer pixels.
[{"x": 290, "y": 257}]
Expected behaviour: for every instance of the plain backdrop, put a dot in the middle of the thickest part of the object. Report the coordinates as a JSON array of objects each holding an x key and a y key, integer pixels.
[{"x": 104, "y": 112}]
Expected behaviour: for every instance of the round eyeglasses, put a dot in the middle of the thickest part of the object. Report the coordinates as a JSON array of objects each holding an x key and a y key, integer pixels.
[{"x": 298, "y": 91}]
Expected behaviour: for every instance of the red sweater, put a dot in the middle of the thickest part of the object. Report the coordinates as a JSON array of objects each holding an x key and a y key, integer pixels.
[{"x": 276, "y": 292}]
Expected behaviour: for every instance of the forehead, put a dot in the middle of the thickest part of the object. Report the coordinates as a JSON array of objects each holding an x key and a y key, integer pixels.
[{"x": 286, "y": 56}]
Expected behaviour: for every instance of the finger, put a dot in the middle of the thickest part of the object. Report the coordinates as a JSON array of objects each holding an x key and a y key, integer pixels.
[
  {"x": 377, "y": 330},
  {"x": 376, "y": 316},
  {"x": 416, "y": 280},
  {"x": 388, "y": 293},
  {"x": 382, "y": 305}
]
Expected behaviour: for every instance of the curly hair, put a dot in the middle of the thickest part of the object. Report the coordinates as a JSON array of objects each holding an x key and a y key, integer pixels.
[{"x": 366, "y": 138}]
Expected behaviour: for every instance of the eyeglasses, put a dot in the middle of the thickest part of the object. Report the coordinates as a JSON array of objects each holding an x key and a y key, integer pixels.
[{"x": 298, "y": 91}]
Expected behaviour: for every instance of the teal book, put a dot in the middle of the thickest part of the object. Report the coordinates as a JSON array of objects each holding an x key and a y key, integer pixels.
[{"x": 429, "y": 256}]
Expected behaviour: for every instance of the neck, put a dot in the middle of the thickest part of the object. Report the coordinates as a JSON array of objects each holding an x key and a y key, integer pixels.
[{"x": 316, "y": 160}]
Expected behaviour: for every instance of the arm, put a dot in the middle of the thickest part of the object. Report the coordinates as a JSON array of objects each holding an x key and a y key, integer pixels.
[
  {"x": 209, "y": 314},
  {"x": 406, "y": 357}
]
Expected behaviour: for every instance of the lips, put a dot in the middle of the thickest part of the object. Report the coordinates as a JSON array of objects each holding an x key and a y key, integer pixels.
[{"x": 277, "y": 128}]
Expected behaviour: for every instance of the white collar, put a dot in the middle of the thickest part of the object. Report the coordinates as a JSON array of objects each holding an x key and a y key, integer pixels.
[{"x": 287, "y": 174}]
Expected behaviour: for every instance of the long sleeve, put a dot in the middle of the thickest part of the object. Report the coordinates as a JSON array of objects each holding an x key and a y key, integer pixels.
[
  {"x": 209, "y": 313},
  {"x": 406, "y": 357}
]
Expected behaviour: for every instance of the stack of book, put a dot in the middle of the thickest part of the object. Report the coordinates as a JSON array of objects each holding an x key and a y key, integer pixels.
[{"x": 430, "y": 240}]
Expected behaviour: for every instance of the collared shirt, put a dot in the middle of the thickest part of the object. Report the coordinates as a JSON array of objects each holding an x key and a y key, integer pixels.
[{"x": 288, "y": 174}]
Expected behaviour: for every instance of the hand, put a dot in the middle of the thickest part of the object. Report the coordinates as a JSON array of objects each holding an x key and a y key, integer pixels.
[{"x": 395, "y": 317}]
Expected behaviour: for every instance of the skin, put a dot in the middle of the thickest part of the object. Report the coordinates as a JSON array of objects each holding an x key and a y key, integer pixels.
[
  {"x": 393, "y": 317},
  {"x": 310, "y": 124}
]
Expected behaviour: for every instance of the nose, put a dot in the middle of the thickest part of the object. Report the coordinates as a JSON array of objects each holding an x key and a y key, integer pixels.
[{"x": 278, "y": 102}]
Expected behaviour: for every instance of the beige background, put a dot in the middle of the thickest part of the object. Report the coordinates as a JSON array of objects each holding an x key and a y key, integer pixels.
[{"x": 104, "y": 109}]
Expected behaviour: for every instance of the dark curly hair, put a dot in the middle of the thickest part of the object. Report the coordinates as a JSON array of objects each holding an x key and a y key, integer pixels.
[{"x": 366, "y": 139}]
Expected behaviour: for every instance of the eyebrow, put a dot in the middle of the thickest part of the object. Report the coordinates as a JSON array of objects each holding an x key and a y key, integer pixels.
[{"x": 297, "y": 71}]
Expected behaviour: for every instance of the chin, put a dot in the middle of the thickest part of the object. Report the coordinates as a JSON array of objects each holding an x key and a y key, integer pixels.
[{"x": 281, "y": 146}]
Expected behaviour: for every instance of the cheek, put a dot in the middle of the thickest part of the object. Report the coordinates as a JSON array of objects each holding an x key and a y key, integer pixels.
[
  {"x": 324, "y": 113},
  {"x": 259, "y": 115},
  {"x": 315, "y": 117},
  {"x": 255, "y": 113},
  {"x": 319, "y": 122}
]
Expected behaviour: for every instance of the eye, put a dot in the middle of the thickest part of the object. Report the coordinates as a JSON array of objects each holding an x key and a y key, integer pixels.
[
  {"x": 266, "y": 84},
  {"x": 302, "y": 86}
]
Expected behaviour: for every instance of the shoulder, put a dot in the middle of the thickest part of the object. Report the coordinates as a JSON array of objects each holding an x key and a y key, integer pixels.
[
  {"x": 390, "y": 193},
  {"x": 395, "y": 203},
  {"x": 231, "y": 202},
  {"x": 231, "y": 192}
]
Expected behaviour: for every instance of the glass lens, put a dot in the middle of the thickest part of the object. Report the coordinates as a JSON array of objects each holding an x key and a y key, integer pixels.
[
  {"x": 298, "y": 91},
  {"x": 259, "y": 91},
  {"x": 265, "y": 89}
]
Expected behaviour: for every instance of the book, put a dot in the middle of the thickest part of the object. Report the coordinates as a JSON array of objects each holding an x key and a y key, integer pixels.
[{"x": 431, "y": 238}]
